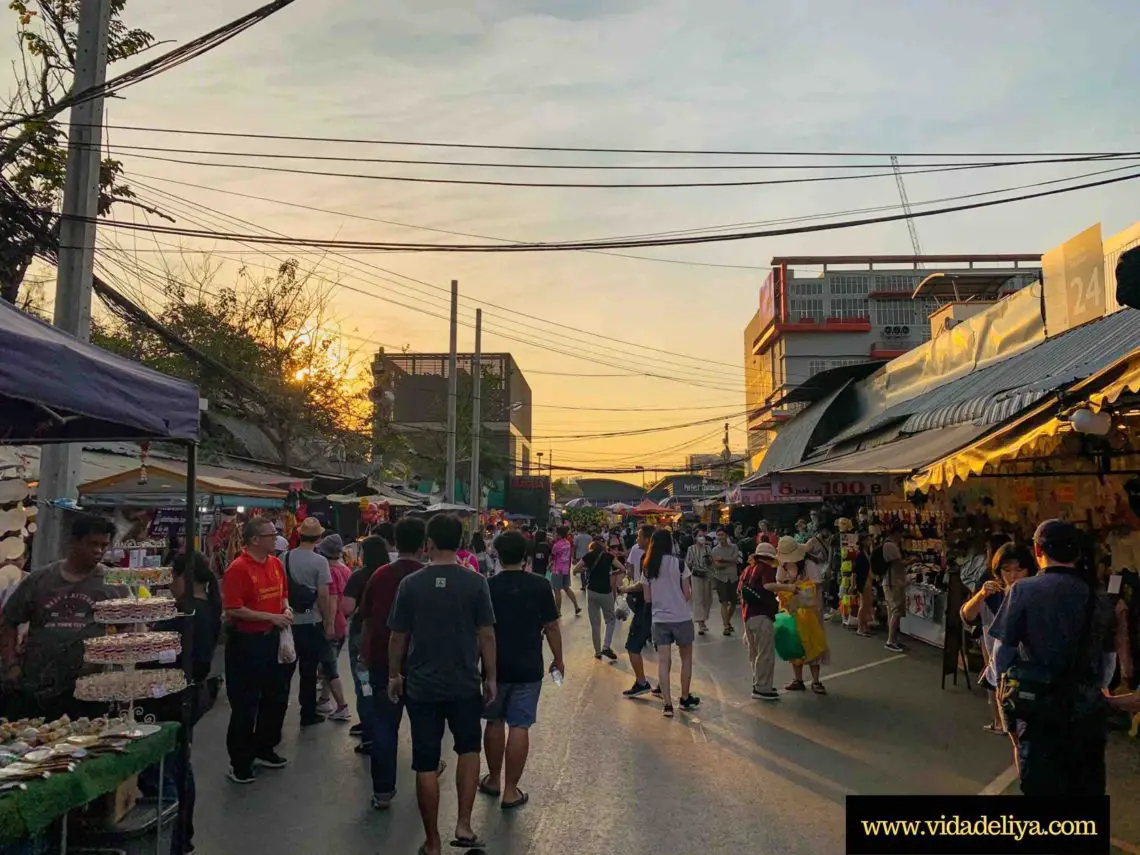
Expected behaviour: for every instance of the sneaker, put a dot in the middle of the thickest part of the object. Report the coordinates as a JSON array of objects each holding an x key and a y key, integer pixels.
[
  {"x": 342, "y": 714},
  {"x": 272, "y": 760},
  {"x": 702, "y": 629},
  {"x": 727, "y": 631},
  {"x": 656, "y": 691},
  {"x": 382, "y": 801},
  {"x": 356, "y": 730},
  {"x": 326, "y": 707},
  {"x": 691, "y": 702},
  {"x": 598, "y": 656},
  {"x": 637, "y": 690},
  {"x": 309, "y": 722},
  {"x": 241, "y": 776},
  {"x": 894, "y": 647},
  {"x": 862, "y": 634},
  {"x": 770, "y": 695},
  {"x": 609, "y": 654},
  {"x": 668, "y": 711}
]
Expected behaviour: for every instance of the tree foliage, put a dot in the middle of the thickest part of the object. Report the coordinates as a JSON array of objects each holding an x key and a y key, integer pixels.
[
  {"x": 585, "y": 518},
  {"x": 276, "y": 333},
  {"x": 565, "y": 490},
  {"x": 33, "y": 153}
]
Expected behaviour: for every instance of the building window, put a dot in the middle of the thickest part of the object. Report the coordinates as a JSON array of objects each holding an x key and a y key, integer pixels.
[
  {"x": 807, "y": 289},
  {"x": 895, "y": 313},
  {"x": 900, "y": 282},
  {"x": 806, "y": 310},
  {"x": 849, "y": 284},
  {"x": 848, "y": 307},
  {"x": 816, "y": 366}
]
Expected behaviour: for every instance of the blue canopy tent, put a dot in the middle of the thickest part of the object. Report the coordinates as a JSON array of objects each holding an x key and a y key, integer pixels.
[{"x": 56, "y": 389}]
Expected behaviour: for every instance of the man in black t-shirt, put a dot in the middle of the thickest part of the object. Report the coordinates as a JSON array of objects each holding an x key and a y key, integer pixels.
[{"x": 525, "y": 611}]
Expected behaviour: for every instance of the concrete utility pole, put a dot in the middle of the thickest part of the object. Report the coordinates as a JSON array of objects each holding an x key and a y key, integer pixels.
[
  {"x": 452, "y": 394},
  {"x": 60, "y": 464},
  {"x": 476, "y": 497}
]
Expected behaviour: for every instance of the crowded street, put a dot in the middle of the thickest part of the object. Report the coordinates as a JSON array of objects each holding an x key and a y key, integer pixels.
[{"x": 608, "y": 774}]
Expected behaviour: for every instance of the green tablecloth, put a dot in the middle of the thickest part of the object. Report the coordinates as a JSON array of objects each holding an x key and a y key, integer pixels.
[{"x": 24, "y": 813}]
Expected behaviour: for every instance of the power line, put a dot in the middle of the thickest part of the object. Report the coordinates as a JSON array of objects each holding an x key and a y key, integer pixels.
[
  {"x": 564, "y": 185},
  {"x": 596, "y": 150},
  {"x": 579, "y": 246}
]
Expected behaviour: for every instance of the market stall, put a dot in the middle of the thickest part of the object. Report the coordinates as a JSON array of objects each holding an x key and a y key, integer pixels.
[{"x": 56, "y": 389}]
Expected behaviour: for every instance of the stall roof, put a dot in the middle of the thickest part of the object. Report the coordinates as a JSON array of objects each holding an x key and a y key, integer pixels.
[
  {"x": 56, "y": 388},
  {"x": 792, "y": 442},
  {"x": 170, "y": 478},
  {"x": 901, "y": 457}
]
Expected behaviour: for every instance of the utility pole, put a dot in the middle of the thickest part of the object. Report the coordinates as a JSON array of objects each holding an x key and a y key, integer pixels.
[
  {"x": 452, "y": 394},
  {"x": 476, "y": 497},
  {"x": 60, "y": 464}
]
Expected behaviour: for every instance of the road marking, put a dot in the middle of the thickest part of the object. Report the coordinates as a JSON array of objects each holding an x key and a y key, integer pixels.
[
  {"x": 999, "y": 784},
  {"x": 856, "y": 670}
]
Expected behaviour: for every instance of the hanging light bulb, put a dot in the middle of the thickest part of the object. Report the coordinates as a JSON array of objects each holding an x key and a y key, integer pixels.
[{"x": 1085, "y": 420}]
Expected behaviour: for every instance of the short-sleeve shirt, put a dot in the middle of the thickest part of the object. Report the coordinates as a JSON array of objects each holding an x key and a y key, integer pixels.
[
  {"x": 755, "y": 599},
  {"x": 441, "y": 608},
  {"x": 669, "y": 603},
  {"x": 581, "y": 545},
  {"x": 340, "y": 574},
  {"x": 599, "y": 566},
  {"x": 255, "y": 585},
  {"x": 60, "y": 616},
  {"x": 376, "y": 607},
  {"x": 523, "y": 604},
  {"x": 307, "y": 568},
  {"x": 560, "y": 556},
  {"x": 540, "y": 558},
  {"x": 896, "y": 576},
  {"x": 727, "y": 553}
]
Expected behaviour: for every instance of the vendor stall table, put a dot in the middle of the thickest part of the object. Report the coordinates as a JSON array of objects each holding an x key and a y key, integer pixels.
[{"x": 28, "y": 812}]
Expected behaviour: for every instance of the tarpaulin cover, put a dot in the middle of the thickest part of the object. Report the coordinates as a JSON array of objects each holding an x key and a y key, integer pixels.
[{"x": 56, "y": 388}]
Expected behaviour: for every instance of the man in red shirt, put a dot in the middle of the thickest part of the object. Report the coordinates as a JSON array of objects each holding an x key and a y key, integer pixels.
[
  {"x": 255, "y": 599},
  {"x": 375, "y": 607},
  {"x": 758, "y": 606}
]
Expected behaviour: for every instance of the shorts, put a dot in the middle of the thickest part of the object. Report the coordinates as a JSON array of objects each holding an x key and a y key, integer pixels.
[
  {"x": 516, "y": 704},
  {"x": 680, "y": 633},
  {"x": 560, "y": 581},
  {"x": 462, "y": 717},
  {"x": 895, "y": 596},
  {"x": 330, "y": 659},
  {"x": 640, "y": 629},
  {"x": 725, "y": 592}
]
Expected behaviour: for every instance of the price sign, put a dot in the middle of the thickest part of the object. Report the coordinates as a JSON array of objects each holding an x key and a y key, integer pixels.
[
  {"x": 800, "y": 487},
  {"x": 1075, "y": 291},
  {"x": 1024, "y": 494},
  {"x": 1066, "y": 494}
]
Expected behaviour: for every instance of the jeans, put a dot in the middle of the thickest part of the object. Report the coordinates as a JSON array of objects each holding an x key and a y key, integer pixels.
[
  {"x": 759, "y": 634},
  {"x": 311, "y": 649},
  {"x": 258, "y": 689},
  {"x": 601, "y": 607},
  {"x": 1064, "y": 759},
  {"x": 385, "y": 727},
  {"x": 362, "y": 703}
]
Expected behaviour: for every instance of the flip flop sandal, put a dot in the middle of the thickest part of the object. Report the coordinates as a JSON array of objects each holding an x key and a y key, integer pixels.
[
  {"x": 517, "y": 803},
  {"x": 818, "y": 688},
  {"x": 468, "y": 843},
  {"x": 486, "y": 789}
]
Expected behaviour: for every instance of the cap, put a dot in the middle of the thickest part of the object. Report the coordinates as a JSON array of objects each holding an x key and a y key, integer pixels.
[
  {"x": 1058, "y": 540},
  {"x": 281, "y": 544},
  {"x": 766, "y": 550}
]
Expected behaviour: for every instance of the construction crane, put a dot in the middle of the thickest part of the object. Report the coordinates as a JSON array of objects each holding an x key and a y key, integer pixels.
[{"x": 915, "y": 245}]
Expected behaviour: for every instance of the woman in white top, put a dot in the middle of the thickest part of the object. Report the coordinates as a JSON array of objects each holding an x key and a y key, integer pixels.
[{"x": 668, "y": 590}]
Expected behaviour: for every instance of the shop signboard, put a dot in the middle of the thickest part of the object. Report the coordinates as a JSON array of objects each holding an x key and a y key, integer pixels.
[
  {"x": 822, "y": 486},
  {"x": 1025, "y": 494},
  {"x": 1065, "y": 493},
  {"x": 1074, "y": 282},
  {"x": 167, "y": 521},
  {"x": 767, "y": 312}
]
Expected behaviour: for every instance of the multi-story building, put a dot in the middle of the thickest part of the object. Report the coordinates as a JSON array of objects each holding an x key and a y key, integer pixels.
[
  {"x": 410, "y": 394},
  {"x": 851, "y": 310}
]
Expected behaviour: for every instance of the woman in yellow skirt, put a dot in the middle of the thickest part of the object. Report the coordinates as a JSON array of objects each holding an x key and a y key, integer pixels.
[{"x": 805, "y": 605}]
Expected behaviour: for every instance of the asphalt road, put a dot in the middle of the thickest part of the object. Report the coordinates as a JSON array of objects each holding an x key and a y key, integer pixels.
[{"x": 611, "y": 775}]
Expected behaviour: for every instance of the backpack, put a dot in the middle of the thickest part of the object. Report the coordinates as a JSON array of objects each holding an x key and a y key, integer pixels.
[
  {"x": 879, "y": 565},
  {"x": 302, "y": 598}
]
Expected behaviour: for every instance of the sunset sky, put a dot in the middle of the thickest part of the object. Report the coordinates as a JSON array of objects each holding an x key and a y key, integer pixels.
[{"x": 723, "y": 74}]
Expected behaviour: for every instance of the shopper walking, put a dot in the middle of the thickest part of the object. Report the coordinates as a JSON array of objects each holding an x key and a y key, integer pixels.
[
  {"x": 759, "y": 606},
  {"x": 864, "y": 586},
  {"x": 560, "y": 552},
  {"x": 257, "y": 684},
  {"x": 698, "y": 559},
  {"x": 525, "y": 613},
  {"x": 668, "y": 590},
  {"x": 540, "y": 554},
  {"x": 581, "y": 543},
  {"x": 332, "y": 702},
  {"x": 1048, "y": 635},
  {"x": 309, "y": 579},
  {"x": 602, "y": 571},
  {"x": 443, "y": 621},
  {"x": 384, "y": 715},
  {"x": 725, "y": 564},
  {"x": 887, "y": 562},
  {"x": 641, "y": 613}
]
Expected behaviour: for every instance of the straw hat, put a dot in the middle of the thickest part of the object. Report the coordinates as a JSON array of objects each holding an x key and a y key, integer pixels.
[
  {"x": 766, "y": 550},
  {"x": 789, "y": 551},
  {"x": 845, "y": 525},
  {"x": 311, "y": 527}
]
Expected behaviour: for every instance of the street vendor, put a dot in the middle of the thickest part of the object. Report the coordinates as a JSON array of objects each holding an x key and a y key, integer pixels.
[{"x": 57, "y": 603}]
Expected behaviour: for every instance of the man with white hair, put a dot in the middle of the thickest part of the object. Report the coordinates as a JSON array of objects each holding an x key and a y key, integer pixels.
[{"x": 758, "y": 609}]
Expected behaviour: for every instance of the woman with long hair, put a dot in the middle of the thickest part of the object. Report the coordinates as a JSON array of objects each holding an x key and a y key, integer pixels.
[
  {"x": 560, "y": 575},
  {"x": 669, "y": 592},
  {"x": 1009, "y": 565},
  {"x": 602, "y": 570}
]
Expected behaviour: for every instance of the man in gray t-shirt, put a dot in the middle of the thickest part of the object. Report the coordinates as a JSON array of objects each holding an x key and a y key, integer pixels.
[
  {"x": 313, "y": 626},
  {"x": 443, "y": 619}
]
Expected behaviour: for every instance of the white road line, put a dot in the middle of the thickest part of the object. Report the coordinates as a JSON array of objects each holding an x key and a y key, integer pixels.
[
  {"x": 828, "y": 675},
  {"x": 999, "y": 784}
]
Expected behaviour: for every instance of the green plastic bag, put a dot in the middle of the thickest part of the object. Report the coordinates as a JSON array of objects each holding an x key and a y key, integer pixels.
[{"x": 788, "y": 644}]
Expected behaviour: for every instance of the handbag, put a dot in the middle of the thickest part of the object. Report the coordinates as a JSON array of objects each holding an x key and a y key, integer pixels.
[
  {"x": 1029, "y": 692},
  {"x": 787, "y": 638}
]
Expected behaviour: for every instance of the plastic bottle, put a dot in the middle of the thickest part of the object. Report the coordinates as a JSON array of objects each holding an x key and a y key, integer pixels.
[
  {"x": 556, "y": 676},
  {"x": 365, "y": 684}
]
